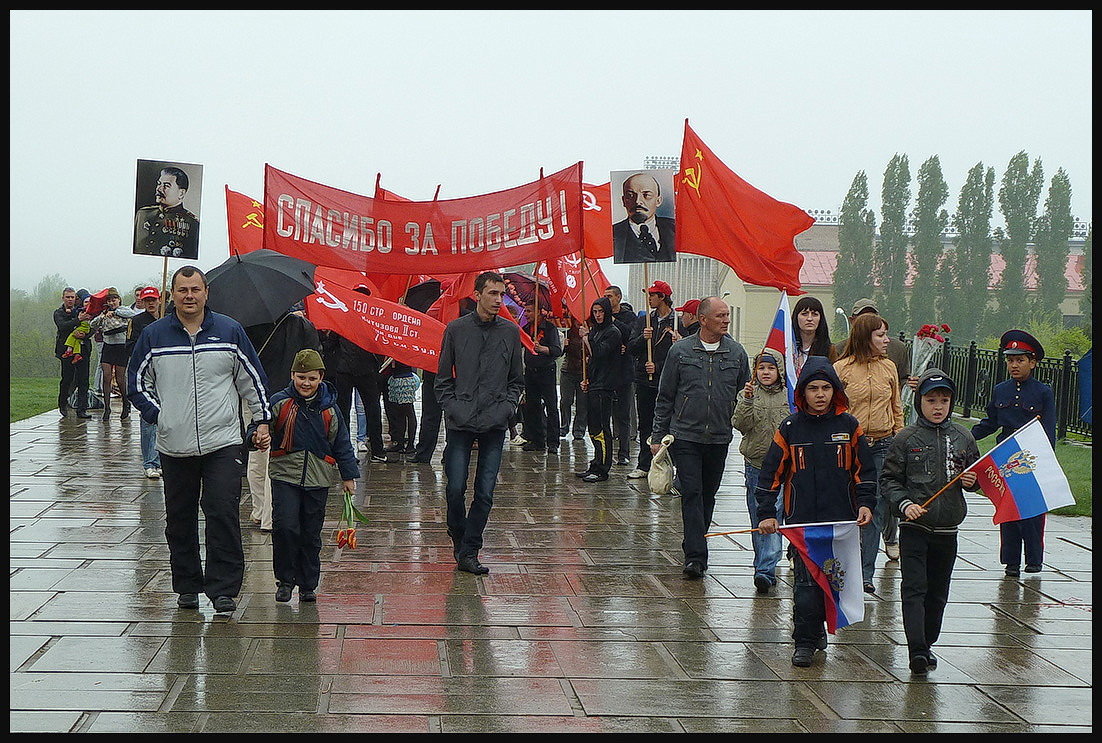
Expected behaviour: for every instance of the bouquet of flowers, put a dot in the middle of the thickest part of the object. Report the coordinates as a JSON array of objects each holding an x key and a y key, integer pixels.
[
  {"x": 350, "y": 515},
  {"x": 928, "y": 341}
]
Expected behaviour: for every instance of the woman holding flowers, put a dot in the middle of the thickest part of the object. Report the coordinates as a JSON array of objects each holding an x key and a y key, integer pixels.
[{"x": 872, "y": 386}]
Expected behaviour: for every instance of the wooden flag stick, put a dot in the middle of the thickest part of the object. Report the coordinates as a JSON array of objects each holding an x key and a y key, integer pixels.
[
  {"x": 646, "y": 306},
  {"x": 163, "y": 301},
  {"x": 725, "y": 533}
]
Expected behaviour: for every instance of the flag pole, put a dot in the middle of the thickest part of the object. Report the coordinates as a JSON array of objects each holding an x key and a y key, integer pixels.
[
  {"x": 969, "y": 467},
  {"x": 737, "y": 531},
  {"x": 646, "y": 305},
  {"x": 162, "y": 302}
]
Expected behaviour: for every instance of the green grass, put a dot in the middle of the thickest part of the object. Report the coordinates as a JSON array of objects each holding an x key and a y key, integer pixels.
[
  {"x": 30, "y": 396},
  {"x": 1074, "y": 459}
]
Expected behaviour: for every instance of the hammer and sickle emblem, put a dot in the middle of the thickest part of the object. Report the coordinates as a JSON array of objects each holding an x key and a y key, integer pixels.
[
  {"x": 693, "y": 176},
  {"x": 573, "y": 259},
  {"x": 589, "y": 202},
  {"x": 253, "y": 219},
  {"x": 336, "y": 303}
]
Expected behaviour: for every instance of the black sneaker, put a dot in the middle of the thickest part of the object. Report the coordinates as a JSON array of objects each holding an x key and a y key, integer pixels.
[
  {"x": 283, "y": 592},
  {"x": 532, "y": 446},
  {"x": 919, "y": 664},
  {"x": 582, "y": 474},
  {"x": 931, "y": 660},
  {"x": 378, "y": 458},
  {"x": 1013, "y": 571},
  {"x": 1033, "y": 568},
  {"x": 693, "y": 570},
  {"x": 594, "y": 477},
  {"x": 188, "y": 601},
  {"x": 472, "y": 565},
  {"x": 307, "y": 595},
  {"x": 224, "y": 604},
  {"x": 868, "y": 587},
  {"x": 762, "y": 583},
  {"x": 623, "y": 461},
  {"x": 802, "y": 657}
]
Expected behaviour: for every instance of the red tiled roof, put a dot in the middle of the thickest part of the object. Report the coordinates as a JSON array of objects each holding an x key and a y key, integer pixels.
[{"x": 818, "y": 270}]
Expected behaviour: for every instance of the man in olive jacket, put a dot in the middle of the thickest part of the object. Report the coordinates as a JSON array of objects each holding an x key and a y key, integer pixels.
[
  {"x": 700, "y": 382},
  {"x": 479, "y": 383}
]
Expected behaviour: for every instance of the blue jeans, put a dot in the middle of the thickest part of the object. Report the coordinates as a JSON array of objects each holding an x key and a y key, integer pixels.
[
  {"x": 361, "y": 419},
  {"x": 767, "y": 547},
  {"x": 465, "y": 526},
  {"x": 870, "y": 533},
  {"x": 151, "y": 458}
]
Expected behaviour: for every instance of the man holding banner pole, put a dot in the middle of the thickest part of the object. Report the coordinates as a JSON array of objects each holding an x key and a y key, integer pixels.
[{"x": 479, "y": 383}]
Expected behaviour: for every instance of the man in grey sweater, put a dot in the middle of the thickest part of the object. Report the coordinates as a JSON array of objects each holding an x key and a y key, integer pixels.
[{"x": 479, "y": 383}]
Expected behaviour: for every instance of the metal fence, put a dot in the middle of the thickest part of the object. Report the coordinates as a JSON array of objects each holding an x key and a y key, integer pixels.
[{"x": 977, "y": 371}]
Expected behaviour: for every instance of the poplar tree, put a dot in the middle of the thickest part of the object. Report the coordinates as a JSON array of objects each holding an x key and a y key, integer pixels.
[
  {"x": 1051, "y": 249},
  {"x": 967, "y": 267},
  {"x": 930, "y": 220},
  {"x": 890, "y": 259},
  {"x": 856, "y": 228},
  {"x": 1086, "y": 306},
  {"x": 1018, "y": 196}
]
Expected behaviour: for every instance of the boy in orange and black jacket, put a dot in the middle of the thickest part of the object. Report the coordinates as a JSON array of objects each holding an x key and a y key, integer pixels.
[{"x": 821, "y": 462}]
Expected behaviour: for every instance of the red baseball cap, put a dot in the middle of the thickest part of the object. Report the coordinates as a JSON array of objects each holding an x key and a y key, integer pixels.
[
  {"x": 692, "y": 306},
  {"x": 660, "y": 287},
  {"x": 149, "y": 291}
]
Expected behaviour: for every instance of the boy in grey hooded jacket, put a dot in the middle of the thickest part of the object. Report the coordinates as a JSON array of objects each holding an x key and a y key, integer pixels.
[{"x": 925, "y": 457}]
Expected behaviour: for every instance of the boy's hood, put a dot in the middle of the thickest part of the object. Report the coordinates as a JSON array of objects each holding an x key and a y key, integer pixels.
[
  {"x": 928, "y": 374},
  {"x": 777, "y": 357},
  {"x": 819, "y": 367},
  {"x": 606, "y": 305}
]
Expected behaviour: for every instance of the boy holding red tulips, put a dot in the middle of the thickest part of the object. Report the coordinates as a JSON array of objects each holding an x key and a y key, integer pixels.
[{"x": 311, "y": 451}]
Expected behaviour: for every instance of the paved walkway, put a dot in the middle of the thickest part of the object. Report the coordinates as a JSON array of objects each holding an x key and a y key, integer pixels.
[{"x": 584, "y": 625}]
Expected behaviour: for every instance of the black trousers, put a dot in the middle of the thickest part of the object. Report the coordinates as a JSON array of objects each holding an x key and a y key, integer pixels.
[
  {"x": 371, "y": 396},
  {"x": 211, "y": 482},
  {"x": 1013, "y": 535},
  {"x": 431, "y": 413},
  {"x": 73, "y": 376},
  {"x": 541, "y": 407},
  {"x": 622, "y": 399},
  {"x": 926, "y": 563},
  {"x": 598, "y": 408},
  {"x": 700, "y": 470},
  {"x": 808, "y": 609},
  {"x": 298, "y": 515},
  {"x": 401, "y": 420},
  {"x": 645, "y": 398}
]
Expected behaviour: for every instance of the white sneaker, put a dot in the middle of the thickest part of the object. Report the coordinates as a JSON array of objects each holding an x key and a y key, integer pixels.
[
  {"x": 635, "y": 474},
  {"x": 153, "y": 473},
  {"x": 519, "y": 441},
  {"x": 361, "y": 446}
]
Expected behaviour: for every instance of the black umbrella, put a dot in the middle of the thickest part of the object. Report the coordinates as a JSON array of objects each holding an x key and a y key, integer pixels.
[
  {"x": 421, "y": 296},
  {"x": 258, "y": 287}
]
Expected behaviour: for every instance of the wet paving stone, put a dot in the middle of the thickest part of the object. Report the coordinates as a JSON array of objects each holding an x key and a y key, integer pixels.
[{"x": 585, "y": 623}]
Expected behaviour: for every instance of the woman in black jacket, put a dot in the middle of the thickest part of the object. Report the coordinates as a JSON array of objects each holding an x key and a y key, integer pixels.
[{"x": 602, "y": 342}]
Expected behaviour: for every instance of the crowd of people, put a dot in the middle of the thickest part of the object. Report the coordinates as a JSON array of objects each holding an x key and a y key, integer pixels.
[{"x": 280, "y": 397}]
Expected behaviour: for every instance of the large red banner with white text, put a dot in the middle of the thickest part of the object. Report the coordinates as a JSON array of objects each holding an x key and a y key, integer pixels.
[
  {"x": 376, "y": 325},
  {"x": 331, "y": 227}
]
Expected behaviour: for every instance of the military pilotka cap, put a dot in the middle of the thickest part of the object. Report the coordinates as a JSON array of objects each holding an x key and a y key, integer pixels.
[
  {"x": 307, "y": 360},
  {"x": 1018, "y": 342},
  {"x": 863, "y": 305}
]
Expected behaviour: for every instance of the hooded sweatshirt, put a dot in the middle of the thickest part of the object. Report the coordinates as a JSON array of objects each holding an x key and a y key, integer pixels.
[
  {"x": 822, "y": 463},
  {"x": 605, "y": 370},
  {"x": 924, "y": 457},
  {"x": 759, "y": 417}
]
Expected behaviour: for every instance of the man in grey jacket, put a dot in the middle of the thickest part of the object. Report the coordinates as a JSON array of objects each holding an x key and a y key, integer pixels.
[
  {"x": 700, "y": 382},
  {"x": 189, "y": 374},
  {"x": 479, "y": 382}
]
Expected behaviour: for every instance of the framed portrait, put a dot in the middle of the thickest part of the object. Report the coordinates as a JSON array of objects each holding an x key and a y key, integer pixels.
[
  {"x": 643, "y": 216},
  {"x": 166, "y": 209}
]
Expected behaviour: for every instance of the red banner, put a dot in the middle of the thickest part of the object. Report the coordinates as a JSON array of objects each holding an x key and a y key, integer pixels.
[
  {"x": 331, "y": 227},
  {"x": 723, "y": 217},
  {"x": 597, "y": 220},
  {"x": 376, "y": 325},
  {"x": 245, "y": 222},
  {"x": 577, "y": 286}
]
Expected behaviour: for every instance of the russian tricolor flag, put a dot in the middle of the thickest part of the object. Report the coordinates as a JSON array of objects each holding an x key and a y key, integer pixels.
[
  {"x": 780, "y": 339},
  {"x": 832, "y": 554},
  {"x": 1022, "y": 476}
]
